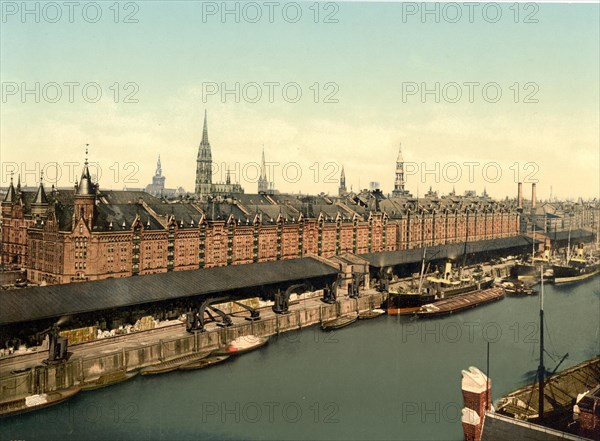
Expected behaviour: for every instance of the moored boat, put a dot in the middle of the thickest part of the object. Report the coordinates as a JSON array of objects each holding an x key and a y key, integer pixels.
[
  {"x": 339, "y": 322},
  {"x": 577, "y": 269},
  {"x": 460, "y": 302},
  {"x": 523, "y": 270},
  {"x": 402, "y": 303},
  {"x": 203, "y": 363},
  {"x": 108, "y": 380},
  {"x": 36, "y": 401},
  {"x": 241, "y": 345},
  {"x": 437, "y": 287},
  {"x": 171, "y": 365},
  {"x": 518, "y": 288},
  {"x": 453, "y": 283},
  {"x": 370, "y": 314}
]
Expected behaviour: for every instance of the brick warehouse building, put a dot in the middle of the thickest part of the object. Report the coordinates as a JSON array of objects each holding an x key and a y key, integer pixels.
[{"x": 89, "y": 234}]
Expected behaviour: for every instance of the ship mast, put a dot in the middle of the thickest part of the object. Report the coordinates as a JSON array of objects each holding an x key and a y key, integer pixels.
[
  {"x": 422, "y": 271},
  {"x": 533, "y": 246},
  {"x": 569, "y": 245},
  {"x": 541, "y": 369}
]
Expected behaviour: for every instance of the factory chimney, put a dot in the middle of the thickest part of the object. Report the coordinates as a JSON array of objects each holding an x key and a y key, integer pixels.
[
  {"x": 520, "y": 195},
  {"x": 533, "y": 196},
  {"x": 476, "y": 391}
]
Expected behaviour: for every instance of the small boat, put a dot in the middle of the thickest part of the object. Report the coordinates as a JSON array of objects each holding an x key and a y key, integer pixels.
[
  {"x": 339, "y": 322},
  {"x": 371, "y": 314},
  {"x": 37, "y": 401},
  {"x": 172, "y": 365},
  {"x": 203, "y": 363},
  {"x": 518, "y": 288},
  {"x": 241, "y": 345},
  {"x": 108, "y": 380}
]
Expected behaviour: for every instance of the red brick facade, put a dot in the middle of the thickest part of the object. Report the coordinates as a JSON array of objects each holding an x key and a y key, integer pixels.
[{"x": 74, "y": 236}]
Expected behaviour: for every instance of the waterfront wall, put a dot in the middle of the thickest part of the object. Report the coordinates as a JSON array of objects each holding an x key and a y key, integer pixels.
[{"x": 44, "y": 378}]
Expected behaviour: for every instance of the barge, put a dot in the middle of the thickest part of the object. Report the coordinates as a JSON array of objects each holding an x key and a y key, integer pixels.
[{"x": 460, "y": 302}]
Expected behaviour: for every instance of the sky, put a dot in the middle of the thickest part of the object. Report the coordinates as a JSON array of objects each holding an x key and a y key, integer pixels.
[{"x": 479, "y": 96}]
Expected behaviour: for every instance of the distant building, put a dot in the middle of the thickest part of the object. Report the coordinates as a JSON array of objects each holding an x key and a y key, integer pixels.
[
  {"x": 551, "y": 216},
  {"x": 400, "y": 180},
  {"x": 264, "y": 185},
  {"x": 342, "y": 189},
  {"x": 157, "y": 188},
  {"x": 431, "y": 193},
  {"x": 204, "y": 170}
]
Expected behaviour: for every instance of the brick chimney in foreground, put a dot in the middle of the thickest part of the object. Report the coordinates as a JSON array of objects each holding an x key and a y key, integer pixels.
[
  {"x": 533, "y": 195},
  {"x": 520, "y": 195},
  {"x": 477, "y": 397}
]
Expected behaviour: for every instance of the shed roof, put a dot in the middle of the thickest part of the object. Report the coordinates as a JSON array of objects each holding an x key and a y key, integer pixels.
[{"x": 43, "y": 302}]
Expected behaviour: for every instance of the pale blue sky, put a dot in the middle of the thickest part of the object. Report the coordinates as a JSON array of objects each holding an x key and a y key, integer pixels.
[{"x": 369, "y": 54}]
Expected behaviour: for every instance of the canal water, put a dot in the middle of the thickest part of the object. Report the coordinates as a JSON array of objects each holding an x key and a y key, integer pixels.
[{"x": 386, "y": 379}]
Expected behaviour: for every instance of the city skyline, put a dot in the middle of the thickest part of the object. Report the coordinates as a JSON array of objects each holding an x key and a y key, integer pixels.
[
  {"x": 422, "y": 176},
  {"x": 372, "y": 81}
]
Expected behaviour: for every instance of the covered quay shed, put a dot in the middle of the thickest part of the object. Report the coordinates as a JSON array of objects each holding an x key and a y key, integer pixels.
[{"x": 111, "y": 302}]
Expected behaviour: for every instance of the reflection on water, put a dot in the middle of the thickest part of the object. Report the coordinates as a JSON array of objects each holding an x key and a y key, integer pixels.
[{"x": 390, "y": 378}]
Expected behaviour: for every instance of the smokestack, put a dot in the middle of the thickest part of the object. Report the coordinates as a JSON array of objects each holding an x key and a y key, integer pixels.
[
  {"x": 476, "y": 391},
  {"x": 520, "y": 195},
  {"x": 533, "y": 195}
]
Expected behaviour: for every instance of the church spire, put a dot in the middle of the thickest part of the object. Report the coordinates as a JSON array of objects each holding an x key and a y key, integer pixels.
[
  {"x": 263, "y": 183},
  {"x": 204, "y": 163},
  {"x": 342, "y": 188},
  {"x": 263, "y": 167},
  {"x": 205, "y": 130}
]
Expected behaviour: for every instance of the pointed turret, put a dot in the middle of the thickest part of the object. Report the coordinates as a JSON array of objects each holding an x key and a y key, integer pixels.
[
  {"x": 85, "y": 196},
  {"x": 39, "y": 206},
  {"x": 40, "y": 196},
  {"x": 19, "y": 184},
  {"x": 86, "y": 187},
  {"x": 10, "y": 194}
]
